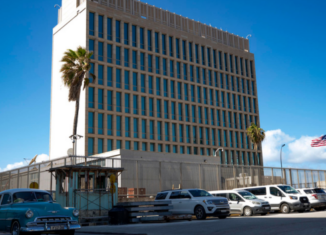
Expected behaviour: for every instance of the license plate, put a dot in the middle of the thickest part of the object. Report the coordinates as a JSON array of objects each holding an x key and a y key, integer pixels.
[
  {"x": 58, "y": 227},
  {"x": 267, "y": 207},
  {"x": 223, "y": 211},
  {"x": 306, "y": 204}
]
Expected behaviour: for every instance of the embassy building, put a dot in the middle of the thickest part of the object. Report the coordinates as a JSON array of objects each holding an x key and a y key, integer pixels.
[{"x": 165, "y": 84}]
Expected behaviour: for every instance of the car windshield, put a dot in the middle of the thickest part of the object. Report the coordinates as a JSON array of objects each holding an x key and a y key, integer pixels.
[
  {"x": 288, "y": 189},
  {"x": 43, "y": 197},
  {"x": 24, "y": 197},
  {"x": 247, "y": 195},
  {"x": 200, "y": 193}
]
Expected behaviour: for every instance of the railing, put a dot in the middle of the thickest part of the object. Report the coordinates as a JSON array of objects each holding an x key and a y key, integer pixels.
[{"x": 145, "y": 11}]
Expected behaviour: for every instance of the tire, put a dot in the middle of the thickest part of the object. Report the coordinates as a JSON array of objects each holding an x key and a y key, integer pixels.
[
  {"x": 285, "y": 208},
  {"x": 200, "y": 213},
  {"x": 263, "y": 214},
  {"x": 15, "y": 228},
  {"x": 222, "y": 217},
  {"x": 301, "y": 211},
  {"x": 247, "y": 211}
]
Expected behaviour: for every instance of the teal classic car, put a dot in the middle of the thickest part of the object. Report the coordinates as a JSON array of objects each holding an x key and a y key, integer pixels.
[{"x": 32, "y": 211}]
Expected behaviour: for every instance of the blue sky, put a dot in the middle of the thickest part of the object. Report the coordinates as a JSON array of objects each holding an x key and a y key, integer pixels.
[{"x": 288, "y": 40}]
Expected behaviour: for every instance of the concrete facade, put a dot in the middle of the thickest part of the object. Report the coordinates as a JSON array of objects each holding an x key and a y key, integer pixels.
[{"x": 235, "y": 49}]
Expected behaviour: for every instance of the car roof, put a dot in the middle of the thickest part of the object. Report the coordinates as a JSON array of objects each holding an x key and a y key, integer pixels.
[
  {"x": 17, "y": 190},
  {"x": 227, "y": 191},
  {"x": 263, "y": 186},
  {"x": 180, "y": 189}
]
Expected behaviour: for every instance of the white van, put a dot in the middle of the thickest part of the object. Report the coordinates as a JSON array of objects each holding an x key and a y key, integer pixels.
[
  {"x": 243, "y": 202},
  {"x": 281, "y": 197}
]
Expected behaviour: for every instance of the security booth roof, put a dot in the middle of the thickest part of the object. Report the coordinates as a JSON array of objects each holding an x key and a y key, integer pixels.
[{"x": 90, "y": 168}]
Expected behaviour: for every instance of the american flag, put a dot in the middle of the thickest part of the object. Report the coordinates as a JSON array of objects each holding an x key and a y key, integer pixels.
[{"x": 321, "y": 141}]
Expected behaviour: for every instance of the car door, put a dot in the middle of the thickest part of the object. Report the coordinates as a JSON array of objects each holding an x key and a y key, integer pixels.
[
  {"x": 275, "y": 197},
  {"x": 187, "y": 204},
  {"x": 235, "y": 202},
  {"x": 176, "y": 202},
  {"x": 5, "y": 204}
]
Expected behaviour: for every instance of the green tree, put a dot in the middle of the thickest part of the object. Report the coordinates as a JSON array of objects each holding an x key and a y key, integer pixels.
[
  {"x": 256, "y": 135},
  {"x": 75, "y": 73}
]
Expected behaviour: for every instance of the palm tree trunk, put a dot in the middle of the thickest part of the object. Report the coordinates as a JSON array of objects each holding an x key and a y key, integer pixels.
[{"x": 75, "y": 124}]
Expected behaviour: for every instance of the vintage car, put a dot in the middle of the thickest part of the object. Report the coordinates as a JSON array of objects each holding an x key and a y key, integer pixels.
[{"x": 32, "y": 211}]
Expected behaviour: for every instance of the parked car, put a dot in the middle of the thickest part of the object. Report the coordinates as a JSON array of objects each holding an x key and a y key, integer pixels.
[
  {"x": 197, "y": 202},
  {"x": 34, "y": 211},
  {"x": 281, "y": 197},
  {"x": 316, "y": 196},
  {"x": 243, "y": 202}
]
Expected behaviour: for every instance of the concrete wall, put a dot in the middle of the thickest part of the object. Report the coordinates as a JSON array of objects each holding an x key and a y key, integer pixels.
[{"x": 69, "y": 34}]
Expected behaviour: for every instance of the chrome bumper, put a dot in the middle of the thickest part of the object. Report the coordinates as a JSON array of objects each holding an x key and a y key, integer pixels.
[{"x": 46, "y": 227}]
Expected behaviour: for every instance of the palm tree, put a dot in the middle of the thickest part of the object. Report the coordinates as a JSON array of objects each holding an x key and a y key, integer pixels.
[
  {"x": 75, "y": 71},
  {"x": 256, "y": 135}
]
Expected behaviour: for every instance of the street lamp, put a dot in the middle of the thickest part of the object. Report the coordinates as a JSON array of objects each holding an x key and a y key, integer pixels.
[
  {"x": 74, "y": 139},
  {"x": 281, "y": 162},
  {"x": 215, "y": 155}
]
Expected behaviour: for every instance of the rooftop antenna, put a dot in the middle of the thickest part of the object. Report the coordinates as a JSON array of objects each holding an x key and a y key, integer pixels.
[
  {"x": 249, "y": 35},
  {"x": 56, "y": 5}
]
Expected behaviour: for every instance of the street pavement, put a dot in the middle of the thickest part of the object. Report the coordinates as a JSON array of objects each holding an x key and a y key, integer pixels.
[{"x": 274, "y": 224}]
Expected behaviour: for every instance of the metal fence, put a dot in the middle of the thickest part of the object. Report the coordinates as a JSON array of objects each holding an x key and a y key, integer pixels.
[{"x": 142, "y": 179}]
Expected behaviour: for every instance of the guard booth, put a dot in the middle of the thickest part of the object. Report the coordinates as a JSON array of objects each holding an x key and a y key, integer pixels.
[{"x": 92, "y": 189}]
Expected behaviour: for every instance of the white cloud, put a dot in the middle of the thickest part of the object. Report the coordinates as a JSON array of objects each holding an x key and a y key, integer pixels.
[
  {"x": 272, "y": 143},
  {"x": 40, "y": 158},
  {"x": 297, "y": 152}
]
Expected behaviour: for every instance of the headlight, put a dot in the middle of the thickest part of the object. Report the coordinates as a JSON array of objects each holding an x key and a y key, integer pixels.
[
  {"x": 208, "y": 202},
  {"x": 256, "y": 203},
  {"x": 75, "y": 212},
  {"x": 29, "y": 214},
  {"x": 293, "y": 198}
]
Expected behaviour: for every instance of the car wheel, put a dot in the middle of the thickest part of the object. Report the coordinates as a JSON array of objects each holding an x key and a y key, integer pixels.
[
  {"x": 285, "y": 209},
  {"x": 263, "y": 214},
  {"x": 222, "y": 217},
  {"x": 15, "y": 228},
  {"x": 200, "y": 213},
  {"x": 247, "y": 211},
  {"x": 301, "y": 211}
]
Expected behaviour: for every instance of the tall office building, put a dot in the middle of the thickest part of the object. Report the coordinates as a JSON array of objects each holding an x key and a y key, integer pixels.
[{"x": 165, "y": 83}]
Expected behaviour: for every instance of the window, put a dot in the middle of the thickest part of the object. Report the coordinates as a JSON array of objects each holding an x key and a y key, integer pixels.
[
  {"x": 118, "y": 101},
  {"x": 257, "y": 191},
  {"x": 177, "y": 45},
  {"x": 90, "y": 123},
  {"x": 166, "y": 131},
  {"x": 166, "y": 109},
  {"x": 6, "y": 199},
  {"x": 119, "y": 125},
  {"x": 186, "y": 92},
  {"x": 241, "y": 66},
  {"x": 143, "y": 128},
  {"x": 188, "y": 134},
  {"x": 171, "y": 46},
  {"x": 135, "y": 104},
  {"x": 238, "y": 85},
  {"x": 165, "y": 87},
  {"x": 150, "y": 63},
  {"x": 151, "y": 130},
  {"x": 179, "y": 90},
  {"x": 184, "y": 52},
  {"x": 134, "y": 81},
  {"x": 244, "y": 103},
  {"x": 100, "y": 146},
  {"x": 91, "y": 24},
  {"x": 171, "y": 68},
  {"x": 236, "y": 65},
  {"x": 246, "y": 67},
  {"x": 197, "y": 53},
  {"x": 185, "y": 72},
  {"x": 149, "y": 39},
  {"x": 213, "y": 137},
  {"x": 118, "y": 56},
  {"x": 226, "y": 61},
  {"x": 197, "y": 75},
  {"x": 174, "y": 132},
  {"x": 193, "y": 112},
  {"x": 109, "y": 53},
  {"x": 178, "y": 70},
  {"x": 229, "y": 120},
  {"x": 144, "y": 147},
  {"x": 275, "y": 192},
  {"x": 209, "y": 57},
  {"x": 163, "y": 44},
  {"x": 157, "y": 63},
  {"x": 222, "y": 96},
  {"x": 236, "y": 139},
  {"x": 203, "y": 55},
  {"x": 117, "y": 30},
  {"x": 109, "y": 124},
  {"x": 127, "y": 103},
  {"x": 220, "y": 59},
  {"x": 191, "y": 73},
  {"x": 92, "y": 47},
  {"x": 158, "y": 86},
  {"x": 187, "y": 112},
  {"x": 159, "y": 130},
  {"x": 110, "y": 100},
  {"x": 143, "y": 106},
  {"x": 190, "y": 51},
  {"x": 118, "y": 144},
  {"x": 227, "y": 82},
  {"x": 192, "y": 90},
  {"x": 218, "y": 117},
  {"x": 152, "y": 147},
  {"x": 216, "y": 99},
  {"x": 221, "y": 81},
  {"x": 157, "y": 45},
  {"x": 151, "y": 107},
  {"x": 135, "y": 127},
  {"x": 142, "y": 83},
  {"x": 249, "y": 104},
  {"x": 201, "y": 136},
  {"x": 231, "y": 63},
  {"x": 205, "y": 95},
  {"x": 165, "y": 67},
  {"x": 173, "y": 111},
  {"x": 100, "y": 98},
  {"x": 158, "y": 108},
  {"x": 206, "y": 115},
  {"x": 231, "y": 138},
  {"x": 109, "y": 29},
  {"x": 254, "y": 104},
  {"x": 225, "y": 139},
  {"x": 214, "y": 59},
  {"x": 226, "y": 159},
  {"x": 219, "y": 139},
  {"x": 198, "y": 94},
  {"x": 91, "y": 97},
  {"x": 100, "y": 74},
  {"x": 251, "y": 69},
  {"x": 134, "y": 36},
  {"x": 127, "y": 145},
  {"x": 234, "y": 197},
  {"x": 91, "y": 71},
  {"x": 207, "y": 135},
  {"x": 90, "y": 148},
  {"x": 199, "y": 115},
  {"x": 134, "y": 59},
  {"x": 240, "y": 121},
  {"x": 253, "y": 88},
  {"x": 126, "y": 33},
  {"x": 204, "y": 76},
  {"x": 212, "y": 117}
]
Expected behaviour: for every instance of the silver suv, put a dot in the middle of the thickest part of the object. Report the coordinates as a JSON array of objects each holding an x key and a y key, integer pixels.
[
  {"x": 196, "y": 202},
  {"x": 243, "y": 202},
  {"x": 316, "y": 196}
]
